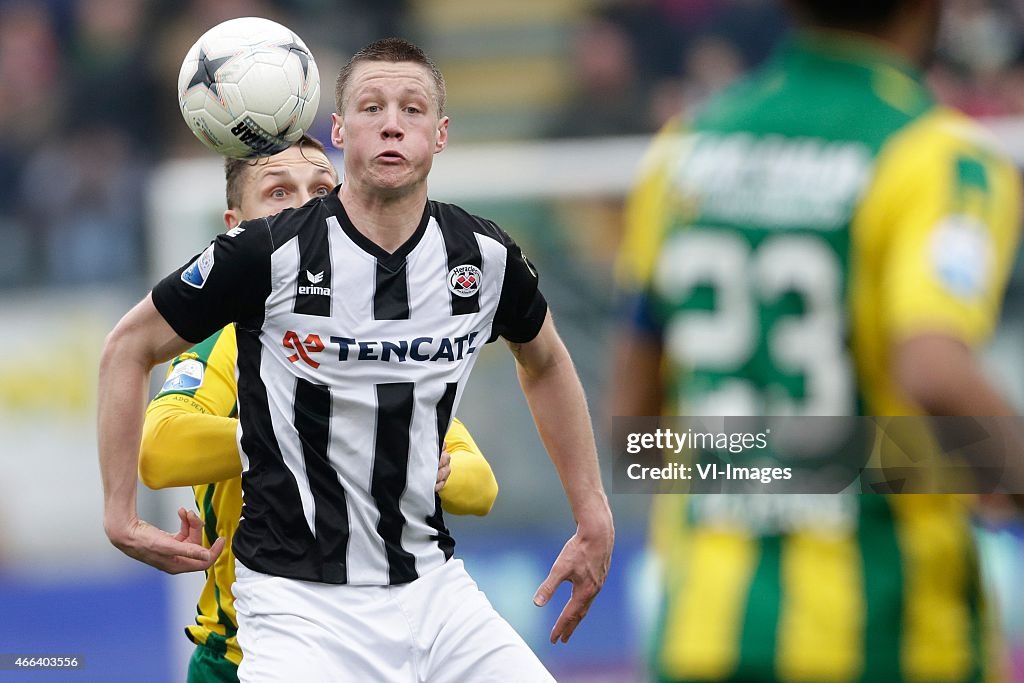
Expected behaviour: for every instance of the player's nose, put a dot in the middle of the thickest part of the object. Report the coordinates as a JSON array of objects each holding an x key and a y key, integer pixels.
[{"x": 391, "y": 126}]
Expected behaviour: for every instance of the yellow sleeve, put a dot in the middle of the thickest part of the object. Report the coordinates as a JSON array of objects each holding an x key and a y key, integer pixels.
[
  {"x": 471, "y": 487},
  {"x": 946, "y": 212},
  {"x": 647, "y": 210},
  {"x": 188, "y": 438}
]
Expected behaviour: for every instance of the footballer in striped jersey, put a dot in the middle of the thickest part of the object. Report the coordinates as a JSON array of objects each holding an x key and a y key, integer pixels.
[
  {"x": 346, "y": 387},
  {"x": 189, "y": 437}
]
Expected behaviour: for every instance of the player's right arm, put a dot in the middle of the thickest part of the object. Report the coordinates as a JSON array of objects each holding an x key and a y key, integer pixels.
[
  {"x": 228, "y": 282},
  {"x": 189, "y": 435},
  {"x": 139, "y": 341}
]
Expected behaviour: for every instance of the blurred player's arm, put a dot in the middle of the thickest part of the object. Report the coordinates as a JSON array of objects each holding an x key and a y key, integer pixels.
[
  {"x": 637, "y": 355},
  {"x": 140, "y": 340},
  {"x": 471, "y": 488},
  {"x": 189, "y": 437},
  {"x": 636, "y": 368},
  {"x": 950, "y": 205},
  {"x": 959, "y": 388},
  {"x": 947, "y": 210},
  {"x": 954, "y": 293}
]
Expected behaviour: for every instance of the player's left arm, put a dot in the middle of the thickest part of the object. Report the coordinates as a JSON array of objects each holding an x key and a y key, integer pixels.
[
  {"x": 471, "y": 487},
  {"x": 559, "y": 407}
]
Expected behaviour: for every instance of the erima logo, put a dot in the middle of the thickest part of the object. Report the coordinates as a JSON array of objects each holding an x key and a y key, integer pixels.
[
  {"x": 235, "y": 231},
  {"x": 315, "y": 279},
  {"x": 321, "y": 291}
]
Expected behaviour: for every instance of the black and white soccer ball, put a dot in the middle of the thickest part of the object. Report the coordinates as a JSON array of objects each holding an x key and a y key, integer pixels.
[{"x": 249, "y": 87}]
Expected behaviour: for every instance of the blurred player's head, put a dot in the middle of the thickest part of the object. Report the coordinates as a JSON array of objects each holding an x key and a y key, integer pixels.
[
  {"x": 911, "y": 26},
  {"x": 286, "y": 180},
  {"x": 390, "y": 119}
]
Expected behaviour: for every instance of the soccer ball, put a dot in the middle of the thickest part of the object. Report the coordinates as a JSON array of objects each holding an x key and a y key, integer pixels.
[{"x": 248, "y": 88}]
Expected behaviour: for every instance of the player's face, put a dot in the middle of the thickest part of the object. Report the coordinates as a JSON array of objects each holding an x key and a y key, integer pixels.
[
  {"x": 285, "y": 181},
  {"x": 390, "y": 128}
]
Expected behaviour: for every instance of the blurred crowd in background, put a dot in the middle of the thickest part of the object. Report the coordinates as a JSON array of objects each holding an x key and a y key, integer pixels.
[{"x": 88, "y": 90}]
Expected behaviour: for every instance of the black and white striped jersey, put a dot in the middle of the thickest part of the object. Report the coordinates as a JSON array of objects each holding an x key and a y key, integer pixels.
[{"x": 351, "y": 363}]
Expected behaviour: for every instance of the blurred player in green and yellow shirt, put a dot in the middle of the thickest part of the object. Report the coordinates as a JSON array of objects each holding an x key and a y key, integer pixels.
[
  {"x": 189, "y": 437},
  {"x": 821, "y": 239}
]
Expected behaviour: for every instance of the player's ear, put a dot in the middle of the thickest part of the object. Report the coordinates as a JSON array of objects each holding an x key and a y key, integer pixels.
[
  {"x": 442, "y": 135},
  {"x": 232, "y": 217},
  {"x": 337, "y": 131}
]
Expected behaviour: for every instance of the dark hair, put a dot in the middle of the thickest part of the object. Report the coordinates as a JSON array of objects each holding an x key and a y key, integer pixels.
[
  {"x": 864, "y": 15},
  {"x": 389, "y": 50},
  {"x": 234, "y": 170}
]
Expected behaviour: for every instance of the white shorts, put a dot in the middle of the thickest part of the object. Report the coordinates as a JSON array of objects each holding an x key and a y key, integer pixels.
[{"x": 438, "y": 628}]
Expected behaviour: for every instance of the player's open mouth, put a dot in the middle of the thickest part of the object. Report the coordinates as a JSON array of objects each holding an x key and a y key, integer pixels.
[{"x": 390, "y": 155}]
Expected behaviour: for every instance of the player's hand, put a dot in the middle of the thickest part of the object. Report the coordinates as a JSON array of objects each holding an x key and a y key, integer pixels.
[
  {"x": 584, "y": 563},
  {"x": 444, "y": 470},
  {"x": 172, "y": 553}
]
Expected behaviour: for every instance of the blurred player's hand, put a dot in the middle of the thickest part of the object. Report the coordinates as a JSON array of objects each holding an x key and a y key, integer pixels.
[
  {"x": 444, "y": 470},
  {"x": 583, "y": 562},
  {"x": 173, "y": 553}
]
